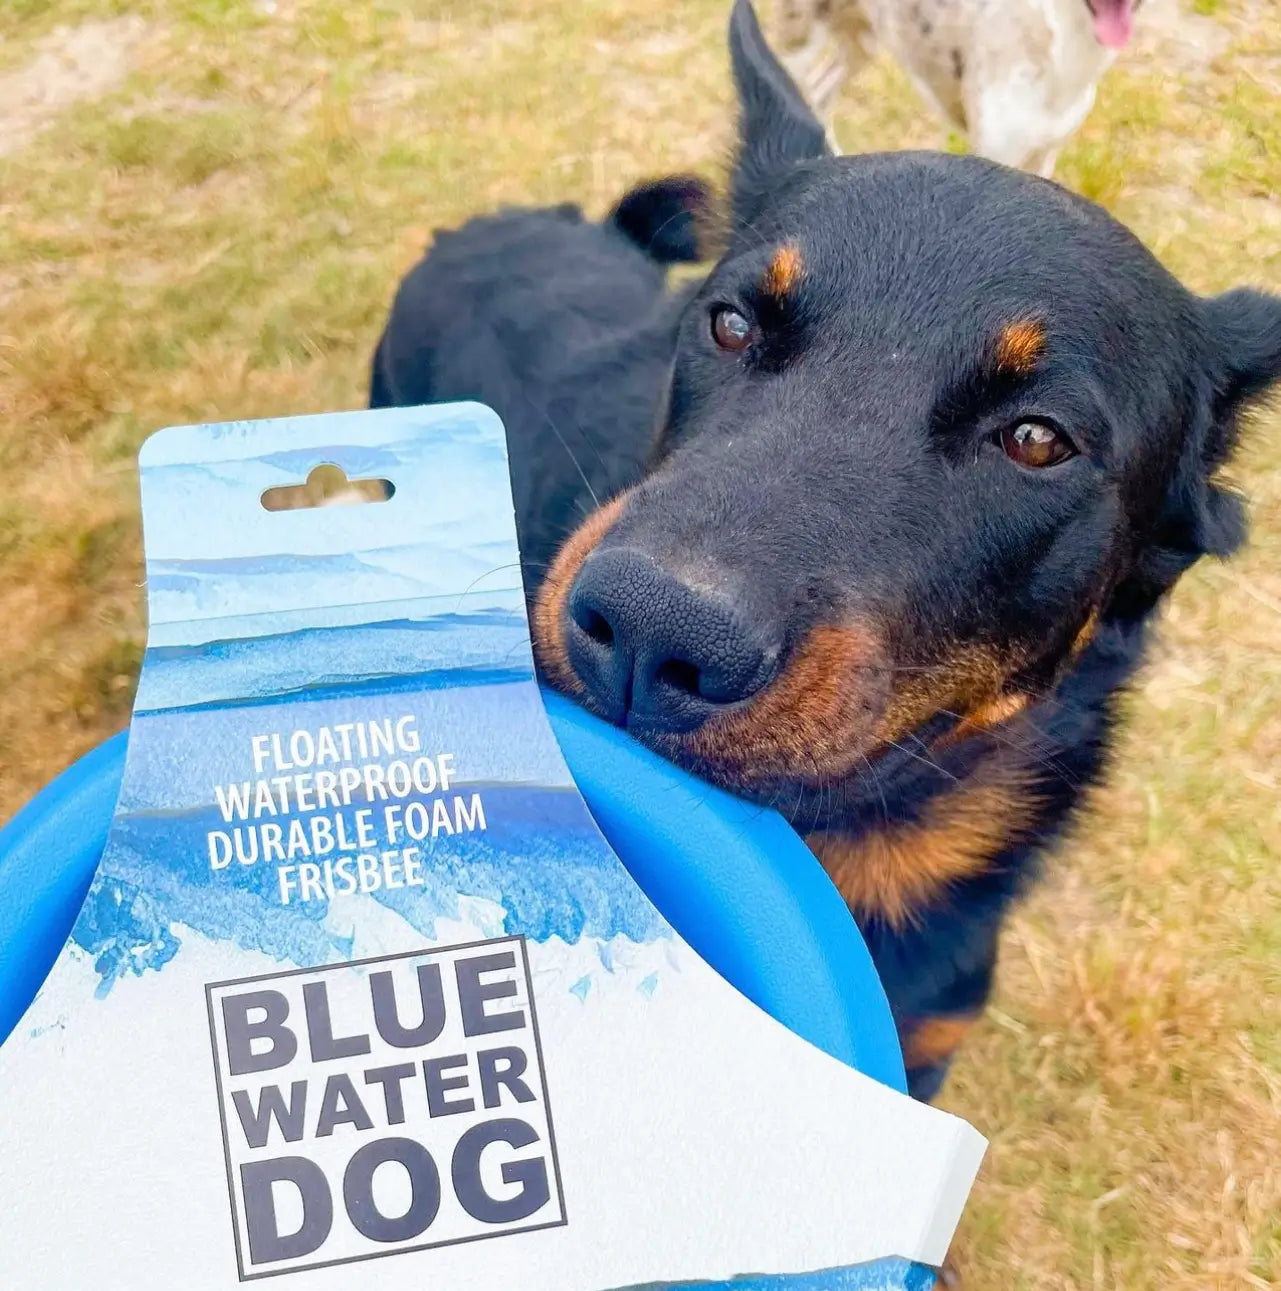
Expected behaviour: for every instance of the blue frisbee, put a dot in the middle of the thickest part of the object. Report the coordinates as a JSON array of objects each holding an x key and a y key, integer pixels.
[{"x": 732, "y": 878}]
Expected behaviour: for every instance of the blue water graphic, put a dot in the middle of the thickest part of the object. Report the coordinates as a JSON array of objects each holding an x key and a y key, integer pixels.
[
  {"x": 881, "y": 1275},
  {"x": 540, "y": 862},
  {"x": 125, "y": 931},
  {"x": 429, "y": 652}
]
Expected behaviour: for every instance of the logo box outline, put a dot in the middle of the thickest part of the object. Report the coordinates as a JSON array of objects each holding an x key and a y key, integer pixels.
[{"x": 210, "y": 987}]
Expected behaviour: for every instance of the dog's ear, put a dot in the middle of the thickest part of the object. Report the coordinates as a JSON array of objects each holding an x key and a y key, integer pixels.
[
  {"x": 1201, "y": 517},
  {"x": 776, "y": 127},
  {"x": 1245, "y": 327}
]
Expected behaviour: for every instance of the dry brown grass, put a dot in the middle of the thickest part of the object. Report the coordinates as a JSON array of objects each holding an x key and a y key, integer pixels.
[{"x": 216, "y": 235}]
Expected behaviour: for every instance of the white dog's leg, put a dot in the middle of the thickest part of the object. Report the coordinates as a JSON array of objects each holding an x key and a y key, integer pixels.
[
  {"x": 822, "y": 53},
  {"x": 820, "y": 70},
  {"x": 1044, "y": 161}
]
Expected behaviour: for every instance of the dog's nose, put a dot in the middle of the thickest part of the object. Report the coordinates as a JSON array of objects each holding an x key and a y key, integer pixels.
[{"x": 657, "y": 653}]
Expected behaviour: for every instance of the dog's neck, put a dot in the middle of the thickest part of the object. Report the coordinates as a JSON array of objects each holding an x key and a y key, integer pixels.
[{"x": 932, "y": 813}]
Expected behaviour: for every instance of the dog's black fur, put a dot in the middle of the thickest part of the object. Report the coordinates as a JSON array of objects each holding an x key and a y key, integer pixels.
[
  {"x": 823, "y": 582},
  {"x": 564, "y": 328}
]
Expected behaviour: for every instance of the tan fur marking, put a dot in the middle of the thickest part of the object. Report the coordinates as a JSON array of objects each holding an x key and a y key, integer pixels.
[
  {"x": 970, "y": 678},
  {"x": 1000, "y": 709},
  {"x": 811, "y": 721},
  {"x": 1085, "y": 635},
  {"x": 891, "y": 873},
  {"x": 1019, "y": 347},
  {"x": 935, "y": 1040},
  {"x": 547, "y": 620},
  {"x": 1007, "y": 705},
  {"x": 784, "y": 272}
]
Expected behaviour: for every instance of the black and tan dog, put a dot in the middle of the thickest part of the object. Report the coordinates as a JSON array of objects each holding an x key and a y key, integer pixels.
[{"x": 882, "y": 507}]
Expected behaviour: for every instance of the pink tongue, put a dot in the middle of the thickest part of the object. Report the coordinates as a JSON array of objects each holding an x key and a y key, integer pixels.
[{"x": 1114, "y": 23}]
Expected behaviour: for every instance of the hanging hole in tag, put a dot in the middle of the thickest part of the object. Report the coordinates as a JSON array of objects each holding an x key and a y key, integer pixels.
[{"x": 327, "y": 486}]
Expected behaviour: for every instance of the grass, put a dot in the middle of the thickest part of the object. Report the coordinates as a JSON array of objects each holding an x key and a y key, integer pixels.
[{"x": 217, "y": 234}]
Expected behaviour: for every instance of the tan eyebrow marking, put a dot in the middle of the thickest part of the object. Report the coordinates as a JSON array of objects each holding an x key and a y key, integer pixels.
[
  {"x": 1019, "y": 347},
  {"x": 785, "y": 270}
]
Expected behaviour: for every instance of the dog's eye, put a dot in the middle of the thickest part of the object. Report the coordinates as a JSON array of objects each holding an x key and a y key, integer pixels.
[
  {"x": 730, "y": 330},
  {"x": 1035, "y": 444}
]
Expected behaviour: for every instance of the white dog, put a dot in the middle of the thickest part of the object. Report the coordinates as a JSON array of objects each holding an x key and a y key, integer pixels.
[{"x": 1017, "y": 77}]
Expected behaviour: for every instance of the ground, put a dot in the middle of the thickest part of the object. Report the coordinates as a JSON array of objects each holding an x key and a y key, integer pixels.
[{"x": 204, "y": 206}]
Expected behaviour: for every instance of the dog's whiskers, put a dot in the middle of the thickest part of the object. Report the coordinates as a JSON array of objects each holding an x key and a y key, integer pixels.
[
  {"x": 1037, "y": 756},
  {"x": 564, "y": 443},
  {"x": 927, "y": 761}
]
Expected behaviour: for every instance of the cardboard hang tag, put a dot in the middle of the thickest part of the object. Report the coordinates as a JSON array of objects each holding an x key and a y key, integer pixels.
[{"x": 359, "y": 978}]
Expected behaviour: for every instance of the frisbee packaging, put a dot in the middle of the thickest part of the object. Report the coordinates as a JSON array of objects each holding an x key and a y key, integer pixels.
[{"x": 359, "y": 979}]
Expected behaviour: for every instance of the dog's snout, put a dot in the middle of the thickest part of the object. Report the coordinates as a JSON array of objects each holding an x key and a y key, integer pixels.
[{"x": 655, "y": 652}]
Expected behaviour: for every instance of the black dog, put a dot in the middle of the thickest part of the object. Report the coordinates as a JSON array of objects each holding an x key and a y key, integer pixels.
[{"x": 889, "y": 498}]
